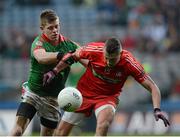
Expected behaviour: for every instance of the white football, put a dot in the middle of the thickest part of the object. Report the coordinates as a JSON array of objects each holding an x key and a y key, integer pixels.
[{"x": 70, "y": 99}]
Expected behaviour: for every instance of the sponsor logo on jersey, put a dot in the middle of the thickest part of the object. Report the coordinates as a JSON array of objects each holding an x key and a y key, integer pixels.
[{"x": 39, "y": 43}]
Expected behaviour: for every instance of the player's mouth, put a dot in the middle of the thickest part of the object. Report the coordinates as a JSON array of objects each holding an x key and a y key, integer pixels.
[{"x": 55, "y": 36}]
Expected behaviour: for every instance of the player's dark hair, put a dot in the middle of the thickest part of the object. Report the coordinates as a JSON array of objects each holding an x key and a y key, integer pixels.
[
  {"x": 48, "y": 16},
  {"x": 113, "y": 45}
]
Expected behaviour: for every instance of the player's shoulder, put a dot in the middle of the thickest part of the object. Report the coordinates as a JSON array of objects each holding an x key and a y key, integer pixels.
[
  {"x": 67, "y": 40},
  {"x": 94, "y": 46},
  {"x": 63, "y": 38},
  {"x": 37, "y": 41},
  {"x": 40, "y": 40},
  {"x": 126, "y": 53},
  {"x": 127, "y": 56}
]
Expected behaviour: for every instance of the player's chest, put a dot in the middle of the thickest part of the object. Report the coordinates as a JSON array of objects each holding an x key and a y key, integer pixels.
[
  {"x": 62, "y": 47},
  {"x": 102, "y": 69}
]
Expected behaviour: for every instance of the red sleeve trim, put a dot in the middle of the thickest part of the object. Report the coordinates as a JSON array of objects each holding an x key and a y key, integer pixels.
[{"x": 62, "y": 38}]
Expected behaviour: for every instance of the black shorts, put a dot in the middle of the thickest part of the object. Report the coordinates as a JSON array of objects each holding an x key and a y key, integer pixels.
[{"x": 26, "y": 110}]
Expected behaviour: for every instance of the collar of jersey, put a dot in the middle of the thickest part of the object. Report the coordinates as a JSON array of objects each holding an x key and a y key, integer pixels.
[{"x": 48, "y": 40}]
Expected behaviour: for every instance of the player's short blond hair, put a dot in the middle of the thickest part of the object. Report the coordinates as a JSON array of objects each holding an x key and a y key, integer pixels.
[{"x": 47, "y": 16}]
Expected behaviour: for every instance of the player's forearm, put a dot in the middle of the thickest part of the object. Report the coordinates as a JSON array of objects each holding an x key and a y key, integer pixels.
[
  {"x": 60, "y": 66},
  {"x": 156, "y": 97},
  {"x": 47, "y": 58},
  {"x": 150, "y": 85},
  {"x": 67, "y": 60}
]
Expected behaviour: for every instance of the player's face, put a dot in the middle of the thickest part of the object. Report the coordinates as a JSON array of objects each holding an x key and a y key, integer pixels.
[
  {"x": 52, "y": 30},
  {"x": 112, "y": 59}
]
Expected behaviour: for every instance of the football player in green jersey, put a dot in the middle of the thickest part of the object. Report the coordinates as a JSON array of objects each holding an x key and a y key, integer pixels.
[{"x": 46, "y": 50}]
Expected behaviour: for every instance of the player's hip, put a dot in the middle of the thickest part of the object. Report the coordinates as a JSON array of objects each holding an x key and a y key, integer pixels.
[{"x": 46, "y": 107}]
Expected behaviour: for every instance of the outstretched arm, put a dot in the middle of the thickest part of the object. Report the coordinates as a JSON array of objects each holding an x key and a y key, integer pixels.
[
  {"x": 67, "y": 60},
  {"x": 63, "y": 63},
  {"x": 150, "y": 85},
  {"x": 44, "y": 57}
]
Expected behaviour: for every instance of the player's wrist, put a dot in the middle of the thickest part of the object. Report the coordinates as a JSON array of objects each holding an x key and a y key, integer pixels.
[
  {"x": 55, "y": 72},
  {"x": 59, "y": 55},
  {"x": 68, "y": 58},
  {"x": 157, "y": 110}
]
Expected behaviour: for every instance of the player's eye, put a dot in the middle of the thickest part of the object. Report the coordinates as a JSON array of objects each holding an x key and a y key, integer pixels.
[
  {"x": 56, "y": 26},
  {"x": 50, "y": 28},
  {"x": 53, "y": 27}
]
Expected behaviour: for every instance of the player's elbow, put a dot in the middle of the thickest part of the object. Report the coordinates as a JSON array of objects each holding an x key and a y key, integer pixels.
[{"x": 156, "y": 90}]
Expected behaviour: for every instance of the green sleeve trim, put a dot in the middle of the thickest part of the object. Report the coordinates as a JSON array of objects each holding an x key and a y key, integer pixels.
[{"x": 102, "y": 77}]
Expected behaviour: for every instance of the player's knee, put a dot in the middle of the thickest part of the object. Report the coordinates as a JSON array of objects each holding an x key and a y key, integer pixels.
[
  {"x": 103, "y": 125},
  {"x": 61, "y": 131},
  {"x": 17, "y": 131}
]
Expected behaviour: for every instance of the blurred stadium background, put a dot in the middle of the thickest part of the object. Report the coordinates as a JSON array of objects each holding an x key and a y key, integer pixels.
[{"x": 148, "y": 28}]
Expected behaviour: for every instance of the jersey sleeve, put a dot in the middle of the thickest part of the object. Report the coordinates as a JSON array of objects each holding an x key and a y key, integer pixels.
[
  {"x": 83, "y": 53},
  {"x": 37, "y": 44},
  {"x": 135, "y": 69}
]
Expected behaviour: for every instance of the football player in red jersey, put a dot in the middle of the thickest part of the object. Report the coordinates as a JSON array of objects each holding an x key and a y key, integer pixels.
[{"x": 107, "y": 70}]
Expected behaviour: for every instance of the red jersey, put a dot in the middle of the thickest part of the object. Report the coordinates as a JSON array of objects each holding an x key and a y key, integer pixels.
[{"x": 99, "y": 79}]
